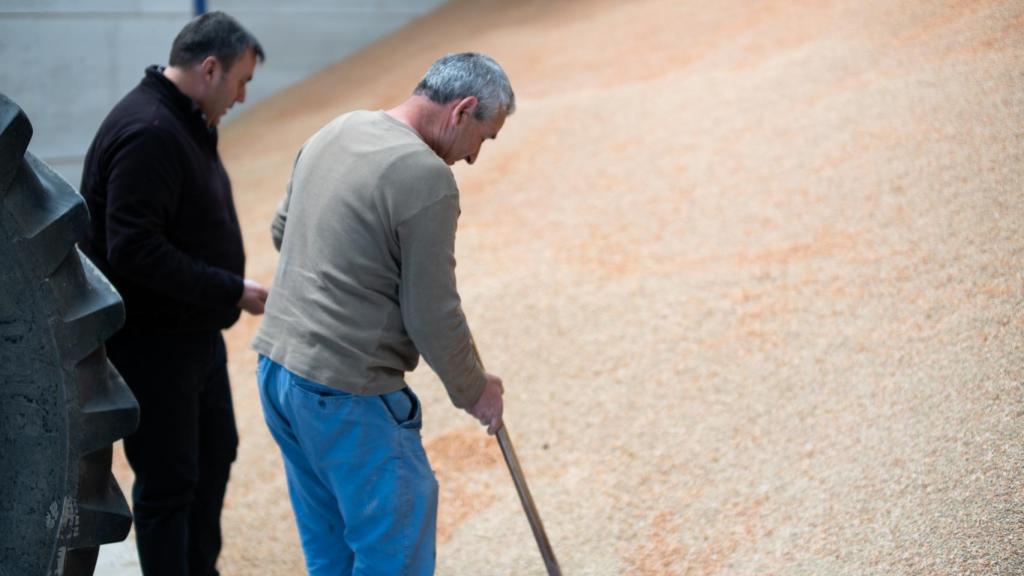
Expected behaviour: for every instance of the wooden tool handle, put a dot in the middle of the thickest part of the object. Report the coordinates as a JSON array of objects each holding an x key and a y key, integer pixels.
[
  {"x": 532, "y": 516},
  {"x": 550, "y": 562}
]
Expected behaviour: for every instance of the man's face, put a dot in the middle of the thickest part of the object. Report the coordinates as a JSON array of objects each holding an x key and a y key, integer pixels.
[
  {"x": 226, "y": 88},
  {"x": 468, "y": 136}
]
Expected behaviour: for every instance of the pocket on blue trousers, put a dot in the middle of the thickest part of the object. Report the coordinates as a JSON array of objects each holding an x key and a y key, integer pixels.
[{"x": 404, "y": 407}]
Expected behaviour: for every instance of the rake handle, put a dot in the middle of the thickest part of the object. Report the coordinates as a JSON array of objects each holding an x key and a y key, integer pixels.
[{"x": 550, "y": 562}]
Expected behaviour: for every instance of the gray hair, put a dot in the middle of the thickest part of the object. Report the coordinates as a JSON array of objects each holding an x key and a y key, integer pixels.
[
  {"x": 466, "y": 74},
  {"x": 213, "y": 34}
]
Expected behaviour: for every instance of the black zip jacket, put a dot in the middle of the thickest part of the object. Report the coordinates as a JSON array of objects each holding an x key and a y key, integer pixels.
[{"x": 163, "y": 223}]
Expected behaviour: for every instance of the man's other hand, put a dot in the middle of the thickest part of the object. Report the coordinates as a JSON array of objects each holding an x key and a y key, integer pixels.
[
  {"x": 490, "y": 407},
  {"x": 254, "y": 297}
]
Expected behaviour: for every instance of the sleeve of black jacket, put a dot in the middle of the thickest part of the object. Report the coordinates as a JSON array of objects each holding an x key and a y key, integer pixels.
[{"x": 143, "y": 191}]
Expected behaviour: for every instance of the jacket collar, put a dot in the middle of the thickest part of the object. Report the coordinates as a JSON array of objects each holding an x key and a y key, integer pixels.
[{"x": 188, "y": 108}]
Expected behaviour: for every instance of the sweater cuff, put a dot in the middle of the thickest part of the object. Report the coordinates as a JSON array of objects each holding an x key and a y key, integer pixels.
[
  {"x": 468, "y": 395},
  {"x": 226, "y": 291},
  {"x": 236, "y": 287}
]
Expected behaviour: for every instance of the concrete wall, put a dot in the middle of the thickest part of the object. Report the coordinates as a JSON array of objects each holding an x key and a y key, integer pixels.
[{"x": 67, "y": 62}]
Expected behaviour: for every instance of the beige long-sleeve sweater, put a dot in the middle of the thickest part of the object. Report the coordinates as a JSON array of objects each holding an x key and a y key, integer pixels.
[{"x": 366, "y": 278}]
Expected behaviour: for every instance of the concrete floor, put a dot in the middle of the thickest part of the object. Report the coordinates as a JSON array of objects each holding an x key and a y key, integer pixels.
[{"x": 119, "y": 559}]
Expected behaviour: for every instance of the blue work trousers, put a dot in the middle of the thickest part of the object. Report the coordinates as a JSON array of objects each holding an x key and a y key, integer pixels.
[{"x": 364, "y": 496}]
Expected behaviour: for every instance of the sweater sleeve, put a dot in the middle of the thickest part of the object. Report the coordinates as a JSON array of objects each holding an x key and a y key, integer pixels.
[
  {"x": 280, "y": 219},
  {"x": 430, "y": 304},
  {"x": 281, "y": 215},
  {"x": 143, "y": 188}
]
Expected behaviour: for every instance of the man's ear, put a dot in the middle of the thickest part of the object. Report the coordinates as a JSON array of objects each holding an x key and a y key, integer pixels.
[
  {"x": 209, "y": 66},
  {"x": 464, "y": 109}
]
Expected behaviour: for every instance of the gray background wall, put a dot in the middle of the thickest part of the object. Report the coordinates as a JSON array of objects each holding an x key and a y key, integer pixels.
[{"x": 67, "y": 62}]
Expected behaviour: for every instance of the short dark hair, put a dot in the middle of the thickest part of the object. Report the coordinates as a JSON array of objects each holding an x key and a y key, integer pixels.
[{"x": 213, "y": 34}]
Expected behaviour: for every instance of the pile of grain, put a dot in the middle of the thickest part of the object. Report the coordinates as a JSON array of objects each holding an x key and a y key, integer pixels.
[{"x": 751, "y": 272}]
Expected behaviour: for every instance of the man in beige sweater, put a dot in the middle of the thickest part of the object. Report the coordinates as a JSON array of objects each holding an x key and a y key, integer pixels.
[{"x": 364, "y": 286}]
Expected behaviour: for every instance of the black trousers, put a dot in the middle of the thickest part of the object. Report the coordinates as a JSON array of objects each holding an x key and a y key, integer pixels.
[{"x": 182, "y": 451}]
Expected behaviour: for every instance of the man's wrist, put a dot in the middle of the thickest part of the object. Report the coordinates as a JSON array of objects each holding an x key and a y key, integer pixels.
[{"x": 473, "y": 393}]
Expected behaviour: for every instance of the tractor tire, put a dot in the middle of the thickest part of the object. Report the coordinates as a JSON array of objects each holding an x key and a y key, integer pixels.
[{"x": 62, "y": 404}]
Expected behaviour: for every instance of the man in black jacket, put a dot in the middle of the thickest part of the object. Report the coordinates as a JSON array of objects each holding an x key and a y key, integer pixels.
[{"x": 165, "y": 232}]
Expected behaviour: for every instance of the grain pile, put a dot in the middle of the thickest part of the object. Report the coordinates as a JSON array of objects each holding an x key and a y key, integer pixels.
[{"x": 751, "y": 273}]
